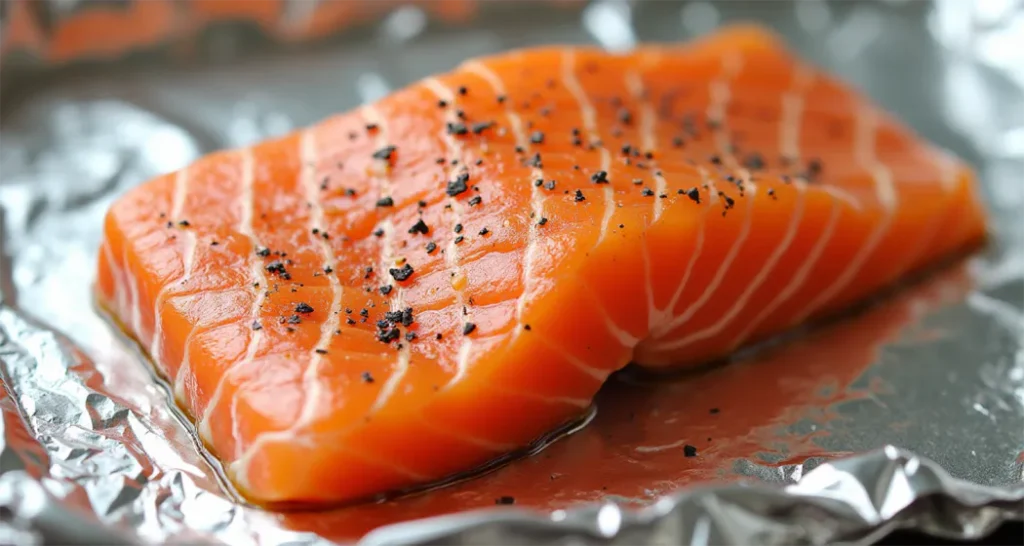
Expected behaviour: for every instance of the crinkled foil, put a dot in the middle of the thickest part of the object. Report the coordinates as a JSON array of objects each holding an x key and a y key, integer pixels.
[{"x": 794, "y": 445}]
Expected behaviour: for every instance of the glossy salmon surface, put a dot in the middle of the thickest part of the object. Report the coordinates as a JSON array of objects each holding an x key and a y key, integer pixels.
[{"x": 409, "y": 290}]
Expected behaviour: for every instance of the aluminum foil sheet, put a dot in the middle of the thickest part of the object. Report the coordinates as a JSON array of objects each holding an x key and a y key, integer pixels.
[{"x": 909, "y": 414}]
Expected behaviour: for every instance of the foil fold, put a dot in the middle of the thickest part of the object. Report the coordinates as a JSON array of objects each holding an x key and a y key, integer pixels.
[
  {"x": 93, "y": 451},
  {"x": 854, "y": 500}
]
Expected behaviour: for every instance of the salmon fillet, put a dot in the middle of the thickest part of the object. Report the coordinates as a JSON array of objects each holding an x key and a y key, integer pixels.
[{"x": 411, "y": 289}]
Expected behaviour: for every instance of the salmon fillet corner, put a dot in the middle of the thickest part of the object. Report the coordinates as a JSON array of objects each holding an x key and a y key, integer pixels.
[{"x": 406, "y": 291}]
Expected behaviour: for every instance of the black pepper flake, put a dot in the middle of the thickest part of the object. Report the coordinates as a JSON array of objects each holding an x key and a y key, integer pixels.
[
  {"x": 277, "y": 267},
  {"x": 543, "y": 220},
  {"x": 379, "y": 232},
  {"x": 458, "y": 186},
  {"x": 459, "y": 239},
  {"x": 694, "y": 195},
  {"x": 463, "y": 90},
  {"x": 638, "y": 181},
  {"x": 388, "y": 335},
  {"x": 214, "y": 243},
  {"x": 677, "y": 142},
  {"x": 442, "y": 103},
  {"x": 714, "y": 411},
  {"x": 256, "y": 325},
  {"x": 320, "y": 351},
  {"x": 385, "y": 290},
  {"x": 527, "y": 327},
  {"x": 458, "y": 228},
  {"x": 484, "y": 231},
  {"x": 385, "y": 202},
  {"x": 184, "y": 223},
  {"x": 482, "y": 126},
  {"x": 401, "y": 273},
  {"x": 370, "y": 127},
  {"x": 409, "y": 336},
  {"x": 579, "y": 196},
  {"x": 753, "y": 161},
  {"x": 367, "y": 378},
  {"x": 303, "y": 307},
  {"x": 457, "y": 128},
  {"x": 294, "y": 319},
  {"x": 814, "y": 168},
  {"x": 475, "y": 200},
  {"x": 420, "y": 227},
  {"x": 468, "y": 328},
  {"x": 716, "y": 160},
  {"x": 771, "y": 193},
  {"x": 625, "y": 116},
  {"x": 647, "y": 192},
  {"x": 505, "y": 500},
  {"x": 689, "y": 451},
  {"x": 600, "y": 177},
  {"x": 384, "y": 153},
  {"x": 537, "y": 137},
  {"x": 350, "y": 192},
  {"x": 535, "y": 161},
  {"x": 431, "y": 247}
]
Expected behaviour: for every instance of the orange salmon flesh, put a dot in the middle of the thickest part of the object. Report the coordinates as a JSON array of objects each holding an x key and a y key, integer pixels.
[{"x": 411, "y": 289}]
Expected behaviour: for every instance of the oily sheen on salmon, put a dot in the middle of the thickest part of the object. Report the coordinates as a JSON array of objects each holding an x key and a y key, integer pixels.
[{"x": 411, "y": 289}]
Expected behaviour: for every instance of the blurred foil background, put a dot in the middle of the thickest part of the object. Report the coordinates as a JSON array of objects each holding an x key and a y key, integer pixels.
[{"x": 93, "y": 453}]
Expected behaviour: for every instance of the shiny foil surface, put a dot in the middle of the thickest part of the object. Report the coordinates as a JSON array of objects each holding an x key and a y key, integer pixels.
[{"x": 909, "y": 413}]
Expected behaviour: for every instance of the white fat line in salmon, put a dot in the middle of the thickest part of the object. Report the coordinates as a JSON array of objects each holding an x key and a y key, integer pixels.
[
  {"x": 622, "y": 336},
  {"x": 578, "y": 363},
  {"x": 442, "y": 92},
  {"x": 865, "y": 132},
  {"x": 719, "y": 98},
  {"x": 789, "y": 131},
  {"x": 117, "y": 272},
  {"x": 590, "y": 125},
  {"x": 698, "y": 248},
  {"x": 789, "y": 142},
  {"x": 312, "y": 385},
  {"x": 537, "y": 199},
  {"x": 373, "y": 117},
  {"x": 589, "y": 118},
  {"x": 947, "y": 180},
  {"x": 181, "y": 188},
  {"x": 649, "y": 143},
  {"x": 297, "y": 432},
  {"x": 259, "y": 287},
  {"x": 133, "y": 296},
  {"x": 536, "y": 196}
]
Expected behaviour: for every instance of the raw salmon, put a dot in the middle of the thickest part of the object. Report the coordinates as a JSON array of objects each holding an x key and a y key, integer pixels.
[{"x": 409, "y": 290}]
